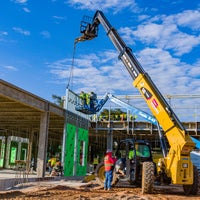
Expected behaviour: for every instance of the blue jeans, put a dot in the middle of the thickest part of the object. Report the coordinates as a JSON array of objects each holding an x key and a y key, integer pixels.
[{"x": 108, "y": 179}]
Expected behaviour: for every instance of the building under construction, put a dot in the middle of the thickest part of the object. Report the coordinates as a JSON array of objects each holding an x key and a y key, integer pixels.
[{"x": 31, "y": 129}]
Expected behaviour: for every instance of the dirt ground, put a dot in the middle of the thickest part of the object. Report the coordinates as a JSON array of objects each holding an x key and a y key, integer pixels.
[{"x": 93, "y": 191}]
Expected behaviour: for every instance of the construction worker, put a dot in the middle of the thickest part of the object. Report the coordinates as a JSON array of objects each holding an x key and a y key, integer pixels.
[
  {"x": 132, "y": 152},
  {"x": 93, "y": 100},
  {"x": 83, "y": 98},
  {"x": 87, "y": 95},
  {"x": 95, "y": 161},
  {"x": 109, "y": 163},
  {"x": 120, "y": 166},
  {"x": 51, "y": 163},
  {"x": 57, "y": 169}
]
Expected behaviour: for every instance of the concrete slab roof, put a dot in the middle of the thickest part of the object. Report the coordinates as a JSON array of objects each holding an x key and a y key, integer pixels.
[{"x": 20, "y": 112}]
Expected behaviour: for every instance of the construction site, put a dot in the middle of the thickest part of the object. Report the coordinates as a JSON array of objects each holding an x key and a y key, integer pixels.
[
  {"x": 79, "y": 133},
  {"x": 20, "y": 129}
]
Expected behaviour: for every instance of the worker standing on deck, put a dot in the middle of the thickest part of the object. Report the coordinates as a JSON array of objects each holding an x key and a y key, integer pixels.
[
  {"x": 109, "y": 163},
  {"x": 83, "y": 98},
  {"x": 93, "y": 100},
  {"x": 87, "y": 99}
]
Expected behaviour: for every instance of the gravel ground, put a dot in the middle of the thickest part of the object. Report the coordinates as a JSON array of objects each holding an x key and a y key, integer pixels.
[{"x": 72, "y": 190}]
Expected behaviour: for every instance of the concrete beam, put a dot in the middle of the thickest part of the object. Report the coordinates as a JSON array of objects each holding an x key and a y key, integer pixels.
[{"x": 15, "y": 93}]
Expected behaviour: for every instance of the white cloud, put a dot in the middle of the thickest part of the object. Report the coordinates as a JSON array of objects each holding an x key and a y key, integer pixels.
[
  {"x": 102, "y": 73},
  {"x": 58, "y": 17},
  {"x": 95, "y": 71},
  {"x": 45, "y": 34},
  {"x": 26, "y": 10},
  {"x": 195, "y": 70},
  {"x": 188, "y": 18},
  {"x": 21, "y": 31},
  {"x": 3, "y": 33},
  {"x": 116, "y": 5},
  {"x": 165, "y": 32},
  {"x": 21, "y": 1},
  {"x": 11, "y": 68},
  {"x": 170, "y": 74},
  {"x": 182, "y": 43}
]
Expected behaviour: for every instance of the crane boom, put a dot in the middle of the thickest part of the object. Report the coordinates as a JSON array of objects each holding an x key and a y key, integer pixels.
[{"x": 178, "y": 165}]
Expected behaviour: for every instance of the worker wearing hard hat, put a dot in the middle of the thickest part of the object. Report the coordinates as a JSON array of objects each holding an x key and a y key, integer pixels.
[
  {"x": 109, "y": 163},
  {"x": 83, "y": 98},
  {"x": 93, "y": 100}
]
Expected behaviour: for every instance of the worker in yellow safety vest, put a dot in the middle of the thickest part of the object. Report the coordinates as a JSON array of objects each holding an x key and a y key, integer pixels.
[
  {"x": 87, "y": 95},
  {"x": 83, "y": 97},
  {"x": 132, "y": 152},
  {"x": 51, "y": 163},
  {"x": 95, "y": 161}
]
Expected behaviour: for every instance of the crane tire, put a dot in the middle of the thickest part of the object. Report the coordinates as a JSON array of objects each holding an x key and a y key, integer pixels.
[
  {"x": 192, "y": 189},
  {"x": 147, "y": 177},
  {"x": 100, "y": 173}
]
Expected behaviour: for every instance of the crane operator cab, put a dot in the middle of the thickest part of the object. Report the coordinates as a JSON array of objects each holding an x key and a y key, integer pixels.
[
  {"x": 139, "y": 150},
  {"x": 131, "y": 154}
]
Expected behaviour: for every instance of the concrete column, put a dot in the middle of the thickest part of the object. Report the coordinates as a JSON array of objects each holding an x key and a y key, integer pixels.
[
  {"x": 110, "y": 136},
  {"x": 29, "y": 156},
  {"x": 63, "y": 145},
  {"x": 5, "y": 151},
  {"x": 43, "y": 141}
]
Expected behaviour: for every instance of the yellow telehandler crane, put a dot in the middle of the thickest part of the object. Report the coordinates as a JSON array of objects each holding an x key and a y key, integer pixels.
[{"x": 177, "y": 165}]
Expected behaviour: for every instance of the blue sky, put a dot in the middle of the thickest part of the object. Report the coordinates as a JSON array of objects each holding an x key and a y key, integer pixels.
[{"x": 37, "y": 41}]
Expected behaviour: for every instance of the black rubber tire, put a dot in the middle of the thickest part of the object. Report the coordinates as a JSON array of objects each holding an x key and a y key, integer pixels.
[
  {"x": 192, "y": 189},
  {"x": 100, "y": 175},
  {"x": 147, "y": 177}
]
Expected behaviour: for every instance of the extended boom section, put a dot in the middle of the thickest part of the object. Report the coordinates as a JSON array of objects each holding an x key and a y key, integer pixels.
[{"x": 177, "y": 165}]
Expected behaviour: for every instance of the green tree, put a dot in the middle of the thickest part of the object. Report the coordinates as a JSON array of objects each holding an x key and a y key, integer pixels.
[{"x": 58, "y": 100}]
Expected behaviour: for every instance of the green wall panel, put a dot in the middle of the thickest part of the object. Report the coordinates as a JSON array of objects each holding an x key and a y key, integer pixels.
[
  {"x": 69, "y": 148},
  {"x": 13, "y": 152},
  {"x": 75, "y": 166},
  {"x": 82, "y": 151},
  {"x": 24, "y": 151},
  {"x": 2, "y": 151}
]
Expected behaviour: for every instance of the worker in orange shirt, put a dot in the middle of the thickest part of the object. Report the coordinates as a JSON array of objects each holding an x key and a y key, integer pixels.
[{"x": 109, "y": 163}]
